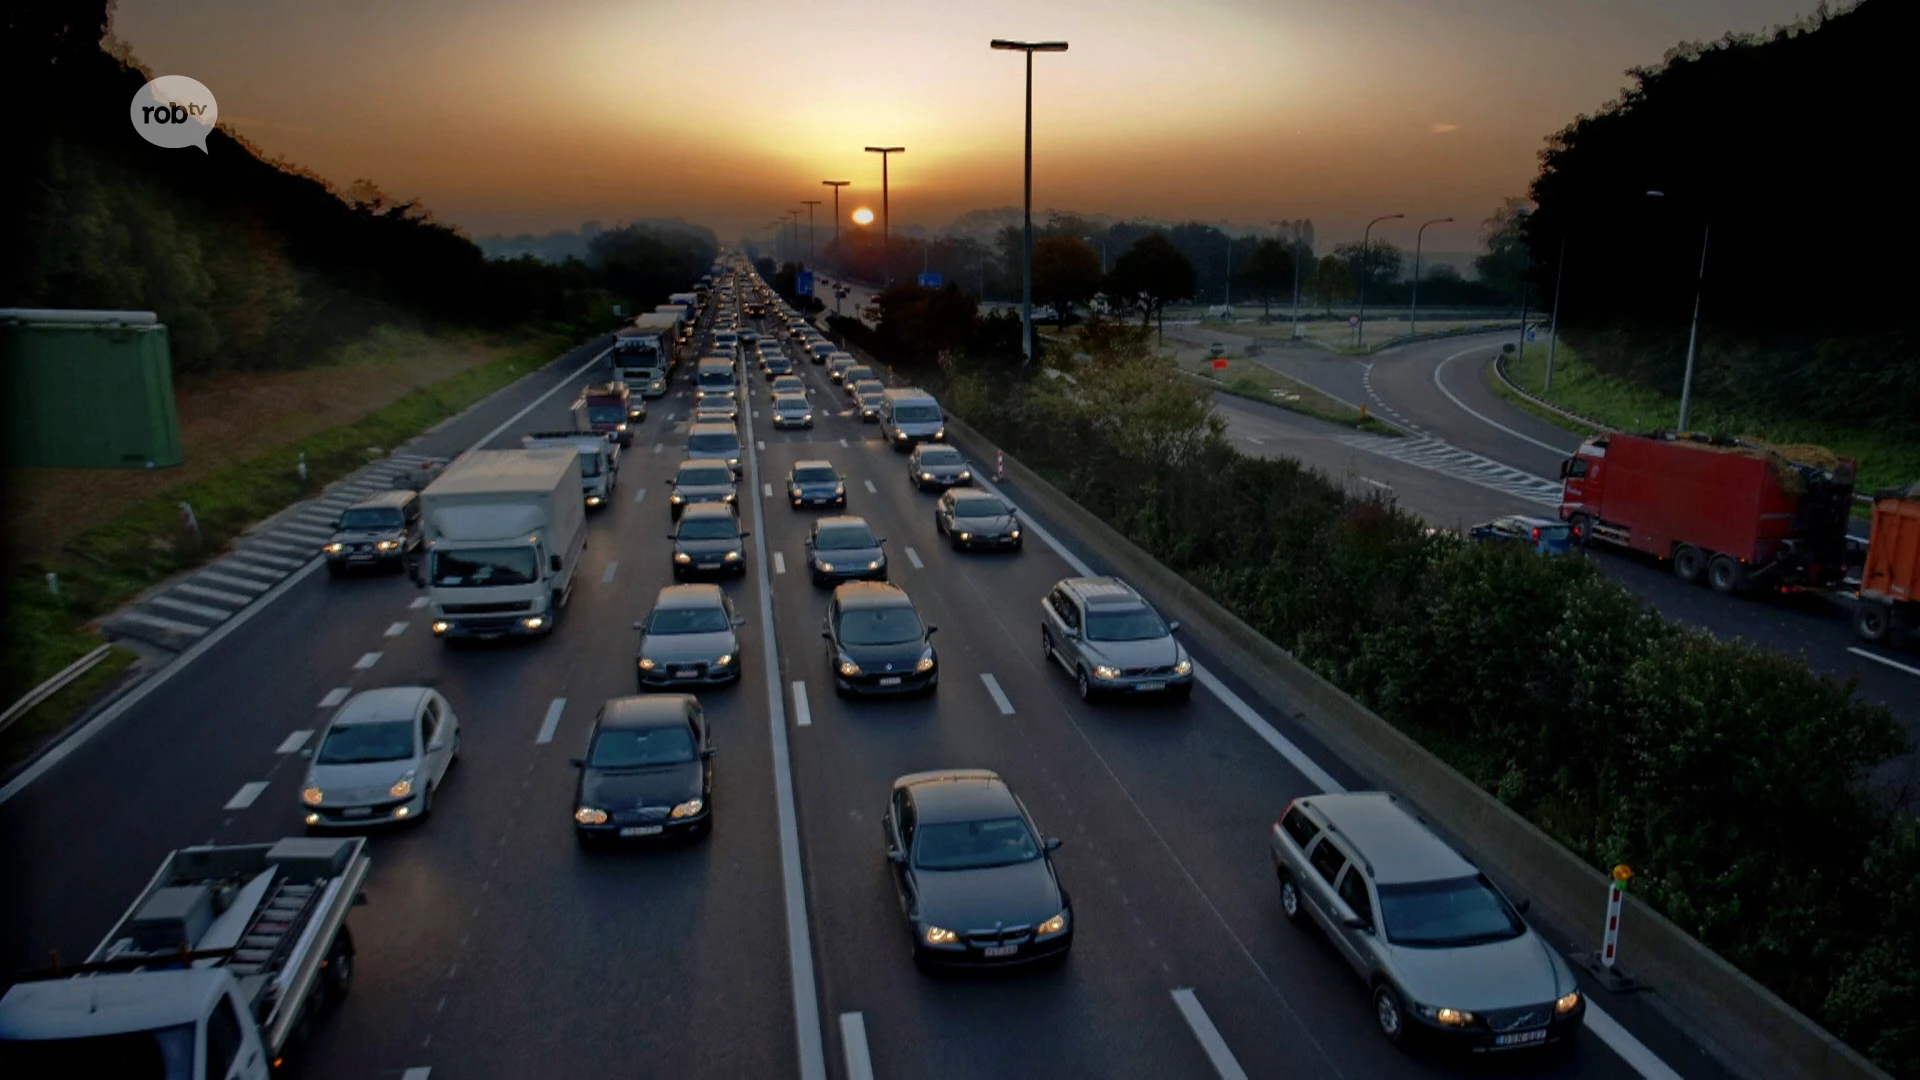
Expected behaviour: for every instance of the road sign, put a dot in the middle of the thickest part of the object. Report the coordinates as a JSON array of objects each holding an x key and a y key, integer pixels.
[
  {"x": 929, "y": 281},
  {"x": 619, "y": 310},
  {"x": 803, "y": 283},
  {"x": 1353, "y": 320}
]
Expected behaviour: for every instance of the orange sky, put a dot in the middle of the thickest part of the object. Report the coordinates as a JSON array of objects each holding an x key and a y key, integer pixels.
[{"x": 517, "y": 115}]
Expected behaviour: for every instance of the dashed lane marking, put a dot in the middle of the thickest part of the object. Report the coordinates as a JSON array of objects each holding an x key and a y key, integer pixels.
[
  {"x": 802, "y": 716},
  {"x": 766, "y": 491},
  {"x": 419, "y": 602},
  {"x": 552, "y": 722},
  {"x": 613, "y": 565},
  {"x": 779, "y": 563},
  {"x": 853, "y": 1039},
  {"x": 999, "y": 696},
  {"x": 871, "y": 490},
  {"x": 366, "y": 661},
  {"x": 639, "y": 495},
  {"x": 914, "y": 558},
  {"x": 246, "y": 795},
  {"x": 334, "y": 697},
  {"x": 294, "y": 741},
  {"x": 1209, "y": 1036}
]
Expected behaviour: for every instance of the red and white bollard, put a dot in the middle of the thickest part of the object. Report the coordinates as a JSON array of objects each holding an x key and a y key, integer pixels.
[
  {"x": 1000, "y": 465},
  {"x": 1605, "y": 963},
  {"x": 1610, "y": 942}
]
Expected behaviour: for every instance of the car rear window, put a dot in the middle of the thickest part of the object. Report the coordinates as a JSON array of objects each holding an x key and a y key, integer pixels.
[
  {"x": 706, "y": 476},
  {"x": 918, "y": 412},
  {"x": 941, "y": 456},
  {"x": 716, "y": 443}
]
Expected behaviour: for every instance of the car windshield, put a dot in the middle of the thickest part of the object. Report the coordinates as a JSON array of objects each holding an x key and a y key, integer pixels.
[
  {"x": 715, "y": 445},
  {"x": 844, "y": 538},
  {"x": 483, "y": 567},
  {"x": 816, "y": 474},
  {"x": 789, "y": 384},
  {"x": 979, "y": 506},
  {"x": 880, "y": 626},
  {"x": 856, "y": 373},
  {"x": 639, "y": 748},
  {"x": 688, "y": 620},
  {"x": 1440, "y": 914},
  {"x": 919, "y": 412},
  {"x": 157, "y": 1054},
  {"x": 1127, "y": 624},
  {"x": 373, "y": 517},
  {"x": 941, "y": 456},
  {"x": 713, "y": 528},
  {"x": 354, "y": 744},
  {"x": 973, "y": 845},
  {"x": 790, "y": 403},
  {"x": 706, "y": 476},
  {"x": 607, "y": 414}
]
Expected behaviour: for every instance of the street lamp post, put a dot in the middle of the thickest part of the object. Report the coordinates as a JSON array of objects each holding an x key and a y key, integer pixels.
[
  {"x": 1553, "y": 332},
  {"x": 1026, "y": 240},
  {"x": 1413, "y": 312},
  {"x": 1226, "y": 287},
  {"x": 1294, "y": 229},
  {"x": 810, "y": 204},
  {"x": 886, "y": 267},
  {"x": 1366, "y": 239},
  {"x": 794, "y": 232},
  {"x": 1693, "y": 333},
  {"x": 836, "y": 185}
]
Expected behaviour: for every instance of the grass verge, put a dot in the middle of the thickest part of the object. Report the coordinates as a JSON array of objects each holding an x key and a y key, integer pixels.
[
  {"x": 111, "y": 563},
  {"x": 1577, "y": 387},
  {"x": 47, "y": 719}
]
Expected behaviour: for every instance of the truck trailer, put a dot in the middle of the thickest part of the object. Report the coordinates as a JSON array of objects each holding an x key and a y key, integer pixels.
[
  {"x": 1736, "y": 512},
  {"x": 504, "y": 532},
  {"x": 222, "y": 964},
  {"x": 1890, "y": 578}
]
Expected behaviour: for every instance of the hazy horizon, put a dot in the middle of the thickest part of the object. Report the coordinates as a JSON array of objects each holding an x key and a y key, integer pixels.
[{"x": 507, "y": 118}]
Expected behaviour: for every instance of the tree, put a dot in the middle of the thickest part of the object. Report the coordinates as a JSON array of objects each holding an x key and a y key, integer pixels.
[
  {"x": 1331, "y": 282},
  {"x": 1065, "y": 272},
  {"x": 1504, "y": 266},
  {"x": 920, "y": 324},
  {"x": 1268, "y": 272},
  {"x": 1378, "y": 267},
  {"x": 1150, "y": 275}
]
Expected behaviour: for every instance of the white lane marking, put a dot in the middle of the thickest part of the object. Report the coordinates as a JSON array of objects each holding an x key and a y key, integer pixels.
[
  {"x": 419, "y": 602},
  {"x": 220, "y": 595},
  {"x": 761, "y": 443},
  {"x": 914, "y": 558},
  {"x": 779, "y": 563},
  {"x": 802, "y": 715},
  {"x": 259, "y": 577},
  {"x": 843, "y": 442},
  {"x": 639, "y": 495},
  {"x": 189, "y": 629},
  {"x": 211, "y": 614},
  {"x": 871, "y": 490},
  {"x": 334, "y": 697},
  {"x": 1209, "y": 1036},
  {"x": 853, "y": 1039},
  {"x": 1470, "y": 411},
  {"x": 1631, "y": 1050},
  {"x": 806, "y": 993},
  {"x": 1883, "y": 660},
  {"x": 999, "y": 695},
  {"x": 294, "y": 741},
  {"x": 657, "y": 446},
  {"x": 565, "y": 381},
  {"x": 766, "y": 491},
  {"x": 252, "y": 588},
  {"x": 366, "y": 661},
  {"x": 396, "y": 629},
  {"x": 552, "y": 722},
  {"x": 246, "y": 795},
  {"x": 418, "y": 1072},
  {"x": 612, "y": 566}
]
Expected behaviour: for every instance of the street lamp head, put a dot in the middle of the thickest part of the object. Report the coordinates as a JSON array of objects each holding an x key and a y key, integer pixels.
[
  {"x": 1028, "y": 46},
  {"x": 1656, "y": 194},
  {"x": 836, "y": 183},
  {"x": 886, "y": 149}
]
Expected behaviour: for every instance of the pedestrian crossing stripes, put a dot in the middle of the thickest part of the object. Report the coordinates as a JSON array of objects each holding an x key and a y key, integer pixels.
[{"x": 1436, "y": 456}]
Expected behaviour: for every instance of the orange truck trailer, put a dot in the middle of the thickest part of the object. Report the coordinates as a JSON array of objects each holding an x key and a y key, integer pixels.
[{"x": 1890, "y": 579}]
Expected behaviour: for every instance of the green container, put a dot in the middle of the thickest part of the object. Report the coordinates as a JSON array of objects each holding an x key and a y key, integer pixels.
[{"x": 88, "y": 390}]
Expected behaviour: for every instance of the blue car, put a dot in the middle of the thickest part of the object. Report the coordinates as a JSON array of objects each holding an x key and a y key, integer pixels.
[
  {"x": 1544, "y": 535},
  {"x": 816, "y": 483}
]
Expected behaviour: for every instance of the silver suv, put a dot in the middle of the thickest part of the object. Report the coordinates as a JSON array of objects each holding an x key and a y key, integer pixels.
[
  {"x": 1444, "y": 954},
  {"x": 1111, "y": 640}
]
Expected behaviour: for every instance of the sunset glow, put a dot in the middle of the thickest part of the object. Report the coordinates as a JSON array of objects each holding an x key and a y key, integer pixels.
[{"x": 863, "y": 216}]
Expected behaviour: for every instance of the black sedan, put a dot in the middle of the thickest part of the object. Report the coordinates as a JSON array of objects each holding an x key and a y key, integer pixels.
[
  {"x": 816, "y": 483},
  {"x": 971, "y": 519},
  {"x": 972, "y": 872},
  {"x": 709, "y": 540},
  {"x": 648, "y": 771},
  {"x": 843, "y": 548},
  {"x": 876, "y": 643}
]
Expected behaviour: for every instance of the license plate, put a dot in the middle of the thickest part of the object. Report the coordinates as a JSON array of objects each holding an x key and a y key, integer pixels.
[
  {"x": 890, "y": 680},
  {"x": 641, "y": 830},
  {"x": 684, "y": 673},
  {"x": 1521, "y": 1038},
  {"x": 1151, "y": 686},
  {"x": 1001, "y": 950},
  {"x": 358, "y": 811}
]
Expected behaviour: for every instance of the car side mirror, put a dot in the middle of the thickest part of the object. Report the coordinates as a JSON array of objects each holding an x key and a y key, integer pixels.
[
  {"x": 673, "y": 536},
  {"x": 744, "y": 534},
  {"x": 825, "y": 633},
  {"x": 880, "y": 540},
  {"x": 1173, "y": 626},
  {"x": 578, "y": 763},
  {"x": 707, "y": 754},
  {"x": 1355, "y": 922},
  {"x": 639, "y": 624},
  {"x": 553, "y": 562},
  {"x": 897, "y": 857},
  {"x": 1522, "y": 906},
  {"x": 340, "y": 523},
  {"x": 932, "y": 630},
  {"x": 437, "y": 745},
  {"x": 1051, "y": 843},
  {"x": 739, "y": 620}
]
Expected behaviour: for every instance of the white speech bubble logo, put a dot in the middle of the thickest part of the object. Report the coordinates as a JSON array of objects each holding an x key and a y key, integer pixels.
[{"x": 175, "y": 111}]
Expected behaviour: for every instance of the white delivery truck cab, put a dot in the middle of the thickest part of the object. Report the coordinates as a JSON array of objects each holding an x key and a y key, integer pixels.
[
  {"x": 504, "y": 530},
  {"x": 599, "y": 460},
  {"x": 643, "y": 353},
  {"x": 690, "y": 303},
  {"x": 223, "y": 962}
]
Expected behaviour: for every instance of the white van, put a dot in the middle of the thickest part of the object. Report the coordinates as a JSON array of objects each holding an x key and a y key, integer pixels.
[{"x": 911, "y": 416}]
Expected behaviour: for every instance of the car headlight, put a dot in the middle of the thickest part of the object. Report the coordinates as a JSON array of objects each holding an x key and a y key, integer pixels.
[
  {"x": 1105, "y": 671},
  {"x": 901, "y": 436},
  {"x": 926, "y": 662},
  {"x": 646, "y": 664},
  {"x": 587, "y": 815},
  {"x": 593, "y": 500},
  {"x": 848, "y": 667},
  {"x": 682, "y": 558},
  {"x": 1015, "y": 534},
  {"x": 334, "y": 548},
  {"x": 312, "y": 796},
  {"x": 402, "y": 787},
  {"x": 939, "y": 935},
  {"x": 966, "y": 536},
  {"x": 825, "y": 567},
  {"x": 441, "y": 626},
  {"x": 676, "y": 499},
  {"x": 725, "y": 660},
  {"x": 808, "y": 418},
  {"x": 533, "y": 622},
  {"x": 734, "y": 461},
  {"x": 1184, "y": 667},
  {"x": 1052, "y": 926},
  {"x": 387, "y": 545},
  {"x": 797, "y": 493},
  {"x": 940, "y": 434},
  {"x": 966, "y": 474},
  {"x": 874, "y": 565},
  {"x": 1567, "y": 1004},
  {"x": 619, "y": 427},
  {"x": 688, "y": 809},
  {"x": 839, "y": 489},
  {"x": 728, "y": 497},
  {"x": 926, "y": 476},
  {"x": 733, "y": 556},
  {"x": 1448, "y": 1017}
]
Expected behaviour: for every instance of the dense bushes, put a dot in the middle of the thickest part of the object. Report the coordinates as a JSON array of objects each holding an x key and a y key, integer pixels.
[{"x": 1729, "y": 777}]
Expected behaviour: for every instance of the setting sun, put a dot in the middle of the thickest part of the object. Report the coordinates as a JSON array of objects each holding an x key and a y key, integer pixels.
[{"x": 863, "y": 216}]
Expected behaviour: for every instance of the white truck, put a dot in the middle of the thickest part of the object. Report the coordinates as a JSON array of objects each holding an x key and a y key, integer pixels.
[
  {"x": 643, "y": 352},
  {"x": 599, "y": 460},
  {"x": 219, "y": 969},
  {"x": 504, "y": 530},
  {"x": 689, "y": 302}
]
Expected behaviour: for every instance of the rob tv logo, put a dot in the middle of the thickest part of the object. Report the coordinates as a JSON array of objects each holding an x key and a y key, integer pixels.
[{"x": 174, "y": 111}]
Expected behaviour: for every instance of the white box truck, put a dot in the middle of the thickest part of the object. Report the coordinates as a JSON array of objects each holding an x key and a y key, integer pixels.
[
  {"x": 643, "y": 352},
  {"x": 504, "y": 531},
  {"x": 222, "y": 964},
  {"x": 599, "y": 460}
]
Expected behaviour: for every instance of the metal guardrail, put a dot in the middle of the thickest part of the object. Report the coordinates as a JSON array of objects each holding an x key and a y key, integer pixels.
[{"x": 53, "y": 686}]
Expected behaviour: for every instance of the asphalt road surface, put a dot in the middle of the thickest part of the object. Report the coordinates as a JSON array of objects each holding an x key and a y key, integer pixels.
[{"x": 492, "y": 946}]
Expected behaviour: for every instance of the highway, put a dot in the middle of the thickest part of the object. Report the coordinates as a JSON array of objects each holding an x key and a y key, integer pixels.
[{"x": 492, "y": 946}]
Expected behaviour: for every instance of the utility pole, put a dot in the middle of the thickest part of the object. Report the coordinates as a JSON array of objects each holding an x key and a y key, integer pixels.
[
  {"x": 810, "y": 204},
  {"x": 886, "y": 218},
  {"x": 1026, "y": 236}
]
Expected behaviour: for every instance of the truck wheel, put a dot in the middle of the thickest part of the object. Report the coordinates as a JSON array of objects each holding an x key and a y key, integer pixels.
[
  {"x": 1872, "y": 620},
  {"x": 1688, "y": 563},
  {"x": 1726, "y": 575},
  {"x": 338, "y": 972},
  {"x": 1582, "y": 529}
]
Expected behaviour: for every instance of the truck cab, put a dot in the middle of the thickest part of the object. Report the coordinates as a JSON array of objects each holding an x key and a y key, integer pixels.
[
  {"x": 599, "y": 461},
  {"x": 612, "y": 411}
]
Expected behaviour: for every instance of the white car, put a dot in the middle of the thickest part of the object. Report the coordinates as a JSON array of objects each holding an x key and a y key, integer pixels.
[{"x": 380, "y": 758}]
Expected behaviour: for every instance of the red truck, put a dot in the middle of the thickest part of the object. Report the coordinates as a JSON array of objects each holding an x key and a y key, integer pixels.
[
  {"x": 1890, "y": 579},
  {"x": 1735, "y": 512}
]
